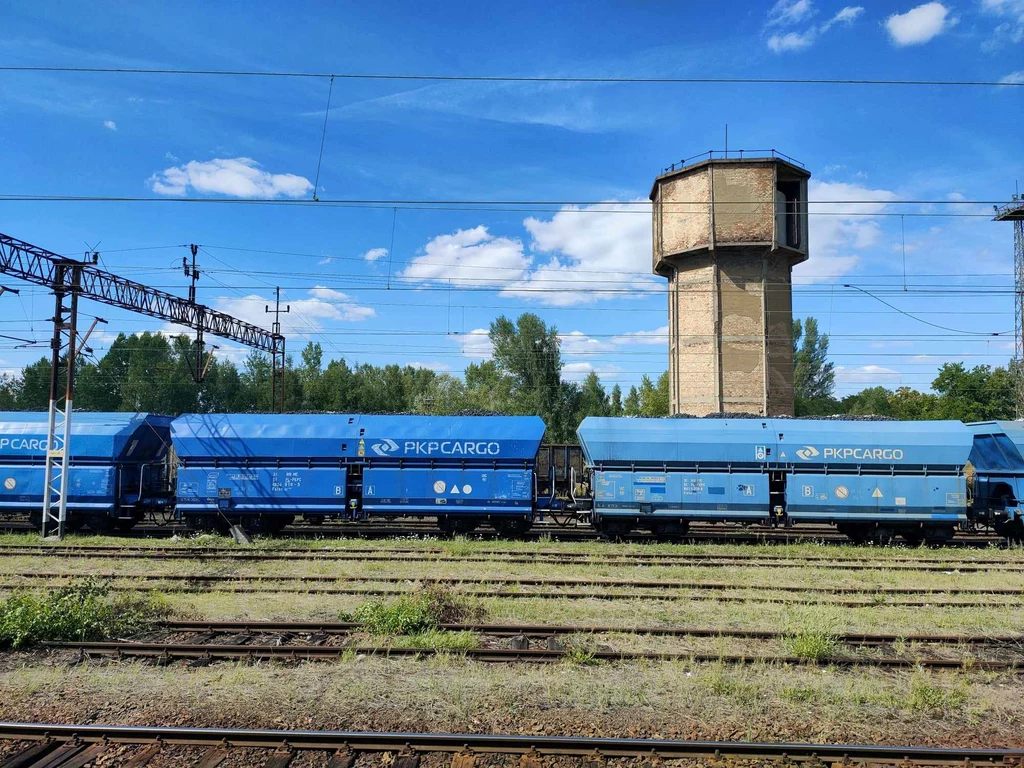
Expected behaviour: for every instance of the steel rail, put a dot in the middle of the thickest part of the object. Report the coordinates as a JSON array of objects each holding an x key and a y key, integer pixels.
[
  {"x": 616, "y": 553},
  {"x": 546, "y": 630},
  {"x": 201, "y": 579},
  {"x": 214, "y": 651},
  {"x": 512, "y": 594},
  {"x": 454, "y": 743},
  {"x": 154, "y": 553},
  {"x": 562, "y": 535}
]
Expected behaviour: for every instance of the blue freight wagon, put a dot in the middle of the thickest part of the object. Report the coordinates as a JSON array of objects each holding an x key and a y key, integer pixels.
[
  {"x": 262, "y": 470},
  {"x": 873, "y": 480},
  {"x": 117, "y": 471},
  {"x": 997, "y": 465}
]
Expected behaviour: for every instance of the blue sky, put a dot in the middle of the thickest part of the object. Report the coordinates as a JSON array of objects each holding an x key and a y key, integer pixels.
[{"x": 584, "y": 268}]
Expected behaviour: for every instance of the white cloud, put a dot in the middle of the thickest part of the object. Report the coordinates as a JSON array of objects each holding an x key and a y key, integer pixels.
[
  {"x": 596, "y": 253},
  {"x": 919, "y": 25},
  {"x": 325, "y": 260},
  {"x": 343, "y": 306},
  {"x": 593, "y": 253},
  {"x": 791, "y": 41},
  {"x": 576, "y": 343},
  {"x": 375, "y": 253},
  {"x": 857, "y": 377},
  {"x": 579, "y": 371},
  {"x": 839, "y": 229},
  {"x": 786, "y": 12},
  {"x": 306, "y": 316},
  {"x": 847, "y": 14},
  {"x": 110, "y": 125},
  {"x": 567, "y": 106},
  {"x": 476, "y": 344},
  {"x": 1014, "y": 78},
  {"x": 1010, "y": 29},
  {"x": 789, "y": 13},
  {"x": 236, "y": 177},
  {"x": 657, "y": 337},
  {"x": 433, "y": 365},
  {"x": 469, "y": 257}
]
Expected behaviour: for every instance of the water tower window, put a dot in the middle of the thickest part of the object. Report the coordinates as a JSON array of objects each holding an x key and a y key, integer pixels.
[{"x": 787, "y": 196}]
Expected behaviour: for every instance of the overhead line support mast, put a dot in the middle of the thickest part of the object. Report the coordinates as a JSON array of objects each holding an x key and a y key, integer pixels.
[
  {"x": 278, "y": 361},
  {"x": 71, "y": 280},
  {"x": 1014, "y": 211}
]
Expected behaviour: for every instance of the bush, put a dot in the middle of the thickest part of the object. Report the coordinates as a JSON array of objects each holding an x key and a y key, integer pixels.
[
  {"x": 424, "y": 610},
  {"x": 82, "y": 612}
]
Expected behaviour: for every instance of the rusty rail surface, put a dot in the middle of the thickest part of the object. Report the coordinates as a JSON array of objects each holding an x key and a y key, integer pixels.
[
  {"x": 281, "y": 746},
  {"x": 674, "y": 559},
  {"x": 527, "y": 581},
  {"x": 215, "y": 651},
  {"x": 549, "y": 630}
]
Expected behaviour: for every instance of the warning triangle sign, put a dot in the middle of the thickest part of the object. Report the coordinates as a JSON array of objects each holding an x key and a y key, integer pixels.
[
  {"x": 876, "y": 494},
  {"x": 455, "y": 490}
]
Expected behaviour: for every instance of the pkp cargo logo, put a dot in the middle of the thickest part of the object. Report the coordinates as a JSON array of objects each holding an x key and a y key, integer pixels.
[
  {"x": 808, "y": 452},
  {"x": 385, "y": 447}
]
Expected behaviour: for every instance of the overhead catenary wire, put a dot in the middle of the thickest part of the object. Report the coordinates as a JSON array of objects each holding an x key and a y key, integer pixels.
[
  {"x": 323, "y": 140},
  {"x": 539, "y": 206},
  {"x": 926, "y": 322},
  {"x": 664, "y": 80}
]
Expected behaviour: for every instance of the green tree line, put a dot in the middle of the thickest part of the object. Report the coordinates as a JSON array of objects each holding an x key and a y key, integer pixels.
[{"x": 149, "y": 372}]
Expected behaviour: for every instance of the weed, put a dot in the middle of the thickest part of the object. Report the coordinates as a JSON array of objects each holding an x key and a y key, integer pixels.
[
  {"x": 580, "y": 657},
  {"x": 424, "y": 610},
  {"x": 726, "y": 682},
  {"x": 439, "y": 640},
  {"x": 926, "y": 696},
  {"x": 800, "y": 693},
  {"x": 812, "y": 645},
  {"x": 82, "y": 611}
]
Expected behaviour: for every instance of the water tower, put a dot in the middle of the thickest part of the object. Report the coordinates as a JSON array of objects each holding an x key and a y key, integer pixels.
[{"x": 727, "y": 232}]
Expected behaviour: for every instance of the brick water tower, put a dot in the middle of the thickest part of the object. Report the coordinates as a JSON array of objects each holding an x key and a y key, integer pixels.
[{"x": 727, "y": 231}]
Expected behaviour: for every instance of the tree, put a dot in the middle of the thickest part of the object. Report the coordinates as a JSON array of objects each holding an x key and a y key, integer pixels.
[
  {"x": 529, "y": 353},
  {"x": 908, "y": 404},
  {"x": 8, "y": 392},
  {"x": 631, "y": 407},
  {"x": 615, "y": 408},
  {"x": 978, "y": 394},
  {"x": 34, "y": 391},
  {"x": 487, "y": 389},
  {"x": 813, "y": 375},
  {"x": 593, "y": 400},
  {"x": 873, "y": 401}
]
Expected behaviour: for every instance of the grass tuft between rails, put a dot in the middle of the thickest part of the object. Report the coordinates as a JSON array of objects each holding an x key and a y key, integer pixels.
[
  {"x": 813, "y": 645},
  {"x": 76, "y": 612},
  {"x": 423, "y": 611},
  {"x": 439, "y": 640}
]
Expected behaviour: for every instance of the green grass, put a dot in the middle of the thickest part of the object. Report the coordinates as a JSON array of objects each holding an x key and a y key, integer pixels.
[
  {"x": 813, "y": 645},
  {"x": 439, "y": 640},
  {"x": 926, "y": 696},
  {"x": 83, "y": 611},
  {"x": 415, "y": 614}
]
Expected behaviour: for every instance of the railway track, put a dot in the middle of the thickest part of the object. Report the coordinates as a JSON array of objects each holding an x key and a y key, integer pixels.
[
  {"x": 873, "y": 599},
  {"x": 442, "y": 556},
  {"x": 202, "y": 580},
  {"x": 66, "y": 743},
  {"x": 216, "y": 652},
  {"x": 544, "y": 631},
  {"x": 696, "y": 535}
]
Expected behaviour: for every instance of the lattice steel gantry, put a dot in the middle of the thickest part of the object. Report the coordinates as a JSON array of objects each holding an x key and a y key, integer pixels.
[
  {"x": 1014, "y": 211},
  {"x": 70, "y": 280}
]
